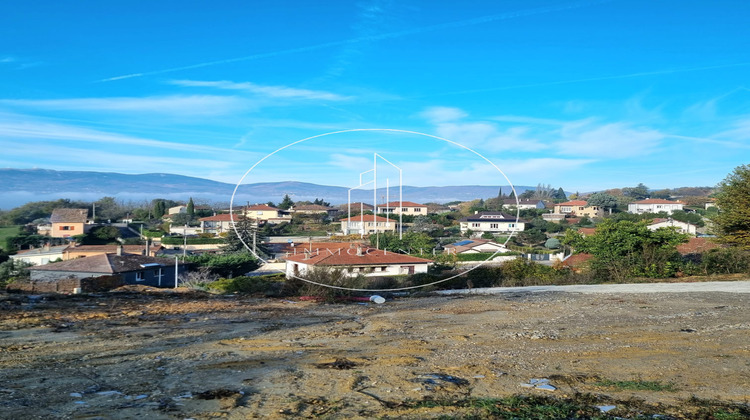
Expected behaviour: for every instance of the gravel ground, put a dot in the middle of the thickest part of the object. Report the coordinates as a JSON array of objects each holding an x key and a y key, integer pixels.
[{"x": 172, "y": 355}]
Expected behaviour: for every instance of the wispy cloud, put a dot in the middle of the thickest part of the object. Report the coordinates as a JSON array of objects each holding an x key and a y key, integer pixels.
[
  {"x": 176, "y": 105},
  {"x": 267, "y": 91},
  {"x": 442, "y": 114},
  {"x": 374, "y": 37},
  {"x": 615, "y": 140},
  {"x": 13, "y": 131}
]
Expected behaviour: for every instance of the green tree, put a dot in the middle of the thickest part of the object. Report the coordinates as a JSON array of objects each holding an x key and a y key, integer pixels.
[
  {"x": 226, "y": 265},
  {"x": 623, "y": 249},
  {"x": 638, "y": 192},
  {"x": 560, "y": 195},
  {"x": 602, "y": 200},
  {"x": 12, "y": 270},
  {"x": 733, "y": 199},
  {"x": 411, "y": 242},
  {"x": 160, "y": 208},
  {"x": 286, "y": 203},
  {"x": 246, "y": 235},
  {"x": 191, "y": 208}
]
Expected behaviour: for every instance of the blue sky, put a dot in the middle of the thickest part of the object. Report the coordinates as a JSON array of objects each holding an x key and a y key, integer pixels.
[{"x": 584, "y": 95}]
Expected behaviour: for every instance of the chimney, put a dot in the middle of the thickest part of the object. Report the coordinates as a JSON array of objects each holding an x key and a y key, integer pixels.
[
  {"x": 119, "y": 250},
  {"x": 147, "y": 251},
  {"x": 359, "y": 251}
]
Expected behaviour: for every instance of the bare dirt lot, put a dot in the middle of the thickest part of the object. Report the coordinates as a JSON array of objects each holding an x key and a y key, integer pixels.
[{"x": 178, "y": 355}]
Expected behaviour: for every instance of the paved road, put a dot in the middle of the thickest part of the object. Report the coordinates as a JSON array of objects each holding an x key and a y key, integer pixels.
[{"x": 710, "y": 286}]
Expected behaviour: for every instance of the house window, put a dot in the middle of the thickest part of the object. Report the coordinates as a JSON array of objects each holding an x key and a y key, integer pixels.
[
  {"x": 383, "y": 268},
  {"x": 494, "y": 226},
  {"x": 139, "y": 276},
  {"x": 511, "y": 225},
  {"x": 417, "y": 209},
  {"x": 476, "y": 225}
]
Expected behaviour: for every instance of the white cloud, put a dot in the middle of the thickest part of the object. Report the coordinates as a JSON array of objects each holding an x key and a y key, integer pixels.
[
  {"x": 15, "y": 130},
  {"x": 616, "y": 140},
  {"x": 267, "y": 91},
  {"x": 177, "y": 104},
  {"x": 441, "y": 114},
  {"x": 487, "y": 136}
]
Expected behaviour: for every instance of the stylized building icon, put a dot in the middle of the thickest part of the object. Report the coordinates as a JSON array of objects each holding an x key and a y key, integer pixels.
[{"x": 374, "y": 223}]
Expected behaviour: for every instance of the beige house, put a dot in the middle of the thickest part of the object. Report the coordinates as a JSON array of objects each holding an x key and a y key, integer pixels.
[
  {"x": 266, "y": 213},
  {"x": 578, "y": 208},
  {"x": 407, "y": 208},
  {"x": 367, "y": 224},
  {"x": 68, "y": 222}
]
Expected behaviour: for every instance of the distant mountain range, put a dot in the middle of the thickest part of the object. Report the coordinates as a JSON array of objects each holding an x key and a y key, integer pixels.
[{"x": 18, "y": 186}]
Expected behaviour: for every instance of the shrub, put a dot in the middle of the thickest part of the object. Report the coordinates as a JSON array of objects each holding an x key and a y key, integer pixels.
[{"x": 269, "y": 285}]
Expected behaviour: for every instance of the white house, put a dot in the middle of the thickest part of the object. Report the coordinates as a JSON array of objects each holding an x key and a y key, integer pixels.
[
  {"x": 654, "y": 205},
  {"x": 491, "y": 222},
  {"x": 370, "y": 262},
  {"x": 40, "y": 256},
  {"x": 524, "y": 204},
  {"x": 682, "y": 227}
]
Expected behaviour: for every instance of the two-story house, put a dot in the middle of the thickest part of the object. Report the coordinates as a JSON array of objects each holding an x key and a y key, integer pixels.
[
  {"x": 578, "y": 208},
  {"x": 491, "y": 222},
  {"x": 266, "y": 213},
  {"x": 366, "y": 224},
  {"x": 654, "y": 205},
  {"x": 407, "y": 208},
  {"x": 69, "y": 222}
]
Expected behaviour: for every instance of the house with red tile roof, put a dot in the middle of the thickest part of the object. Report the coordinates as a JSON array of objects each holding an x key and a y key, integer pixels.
[
  {"x": 407, "y": 208},
  {"x": 697, "y": 246},
  {"x": 356, "y": 260},
  {"x": 218, "y": 223},
  {"x": 654, "y": 205}
]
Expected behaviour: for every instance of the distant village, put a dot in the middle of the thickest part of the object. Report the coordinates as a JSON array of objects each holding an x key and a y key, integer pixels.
[{"x": 74, "y": 249}]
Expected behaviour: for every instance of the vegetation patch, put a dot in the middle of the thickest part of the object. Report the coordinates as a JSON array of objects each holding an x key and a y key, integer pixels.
[{"x": 637, "y": 385}]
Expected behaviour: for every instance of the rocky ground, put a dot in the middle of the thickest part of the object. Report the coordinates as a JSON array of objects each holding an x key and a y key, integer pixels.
[{"x": 180, "y": 355}]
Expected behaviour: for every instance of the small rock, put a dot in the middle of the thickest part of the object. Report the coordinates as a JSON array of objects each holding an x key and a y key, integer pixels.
[
  {"x": 605, "y": 408},
  {"x": 76, "y": 394},
  {"x": 108, "y": 393}
]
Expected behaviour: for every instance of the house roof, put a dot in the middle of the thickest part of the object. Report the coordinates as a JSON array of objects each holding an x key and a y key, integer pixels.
[
  {"x": 574, "y": 203},
  {"x": 222, "y": 217},
  {"x": 697, "y": 246},
  {"x": 656, "y": 201},
  {"x": 367, "y": 218},
  {"x": 357, "y": 205},
  {"x": 262, "y": 207},
  {"x": 490, "y": 216},
  {"x": 587, "y": 231},
  {"x": 312, "y": 207},
  {"x": 468, "y": 244},
  {"x": 512, "y": 202},
  {"x": 577, "y": 260},
  {"x": 402, "y": 204},
  {"x": 104, "y": 264},
  {"x": 349, "y": 257},
  {"x": 111, "y": 249},
  {"x": 672, "y": 221},
  {"x": 69, "y": 216},
  {"x": 42, "y": 250}
]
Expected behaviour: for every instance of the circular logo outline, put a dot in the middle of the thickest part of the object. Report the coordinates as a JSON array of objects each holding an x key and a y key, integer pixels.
[{"x": 391, "y": 130}]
